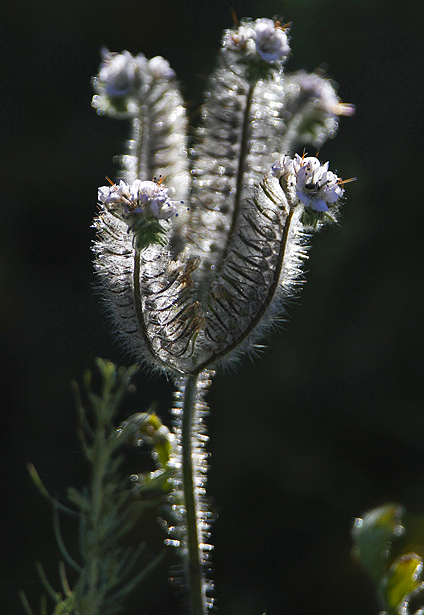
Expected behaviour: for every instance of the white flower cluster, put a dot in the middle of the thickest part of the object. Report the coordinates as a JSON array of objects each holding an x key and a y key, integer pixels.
[
  {"x": 122, "y": 75},
  {"x": 146, "y": 198},
  {"x": 312, "y": 108},
  {"x": 319, "y": 90},
  {"x": 316, "y": 187},
  {"x": 263, "y": 37}
]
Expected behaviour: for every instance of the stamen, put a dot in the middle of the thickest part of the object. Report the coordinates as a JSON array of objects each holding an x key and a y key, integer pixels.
[
  {"x": 346, "y": 109},
  {"x": 234, "y": 16},
  {"x": 159, "y": 180},
  {"x": 283, "y": 27}
]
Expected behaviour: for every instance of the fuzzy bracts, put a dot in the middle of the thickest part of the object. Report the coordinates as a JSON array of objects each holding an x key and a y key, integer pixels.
[{"x": 198, "y": 249}]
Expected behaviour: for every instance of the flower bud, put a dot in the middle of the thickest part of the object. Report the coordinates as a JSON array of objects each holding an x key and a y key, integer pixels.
[
  {"x": 118, "y": 82},
  {"x": 271, "y": 41}
]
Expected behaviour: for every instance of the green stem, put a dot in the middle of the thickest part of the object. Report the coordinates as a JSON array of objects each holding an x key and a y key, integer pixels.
[
  {"x": 244, "y": 151},
  {"x": 241, "y": 171},
  {"x": 140, "y": 136},
  {"x": 137, "y": 301},
  {"x": 100, "y": 461},
  {"x": 195, "y": 578}
]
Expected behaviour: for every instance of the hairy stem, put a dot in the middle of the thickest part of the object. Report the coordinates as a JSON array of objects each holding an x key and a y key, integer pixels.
[
  {"x": 192, "y": 516},
  {"x": 194, "y": 567},
  {"x": 141, "y": 142},
  {"x": 242, "y": 157},
  {"x": 138, "y": 304}
]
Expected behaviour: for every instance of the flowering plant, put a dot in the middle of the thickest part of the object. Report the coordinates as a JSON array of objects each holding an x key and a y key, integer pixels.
[
  {"x": 191, "y": 293},
  {"x": 201, "y": 242}
]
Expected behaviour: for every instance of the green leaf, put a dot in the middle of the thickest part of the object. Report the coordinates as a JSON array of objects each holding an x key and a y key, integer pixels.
[
  {"x": 150, "y": 428},
  {"x": 79, "y": 499},
  {"x": 403, "y": 578},
  {"x": 373, "y": 536},
  {"x": 390, "y": 544},
  {"x": 149, "y": 232},
  {"x": 107, "y": 509}
]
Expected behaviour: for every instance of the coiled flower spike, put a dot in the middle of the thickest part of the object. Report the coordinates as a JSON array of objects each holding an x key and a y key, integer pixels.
[{"x": 190, "y": 292}]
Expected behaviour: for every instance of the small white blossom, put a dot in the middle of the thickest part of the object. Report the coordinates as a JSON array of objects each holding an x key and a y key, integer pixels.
[
  {"x": 147, "y": 198},
  {"x": 284, "y": 167},
  {"x": 316, "y": 186},
  {"x": 321, "y": 91},
  {"x": 312, "y": 99},
  {"x": 113, "y": 195},
  {"x": 242, "y": 39},
  {"x": 262, "y": 37},
  {"x": 271, "y": 41},
  {"x": 160, "y": 68},
  {"x": 119, "y": 73}
]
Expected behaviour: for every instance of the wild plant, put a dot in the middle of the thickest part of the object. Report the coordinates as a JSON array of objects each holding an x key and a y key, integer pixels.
[{"x": 200, "y": 244}]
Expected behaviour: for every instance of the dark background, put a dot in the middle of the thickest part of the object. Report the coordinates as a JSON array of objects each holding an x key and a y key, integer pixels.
[{"x": 328, "y": 422}]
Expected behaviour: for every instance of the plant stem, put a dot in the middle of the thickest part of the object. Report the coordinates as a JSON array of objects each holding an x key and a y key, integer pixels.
[
  {"x": 244, "y": 151},
  {"x": 196, "y": 582},
  {"x": 137, "y": 301},
  {"x": 94, "y": 595}
]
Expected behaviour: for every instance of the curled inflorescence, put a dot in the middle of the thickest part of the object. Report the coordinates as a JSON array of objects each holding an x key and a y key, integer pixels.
[
  {"x": 187, "y": 293},
  {"x": 194, "y": 266}
]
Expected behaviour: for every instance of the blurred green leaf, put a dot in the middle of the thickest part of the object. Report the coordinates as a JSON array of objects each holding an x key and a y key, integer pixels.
[
  {"x": 373, "y": 535},
  {"x": 401, "y": 581},
  {"x": 390, "y": 545},
  {"x": 146, "y": 427},
  {"x": 107, "y": 508}
]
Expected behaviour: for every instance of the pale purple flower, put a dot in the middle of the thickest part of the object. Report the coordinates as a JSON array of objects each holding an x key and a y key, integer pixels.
[
  {"x": 147, "y": 198},
  {"x": 242, "y": 39},
  {"x": 160, "y": 68},
  {"x": 316, "y": 186},
  {"x": 262, "y": 37},
  {"x": 271, "y": 40},
  {"x": 320, "y": 90},
  {"x": 284, "y": 166},
  {"x": 119, "y": 73},
  {"x": 114, "y": 194}
]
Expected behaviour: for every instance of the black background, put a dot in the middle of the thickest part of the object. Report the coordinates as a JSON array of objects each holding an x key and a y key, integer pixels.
[{"x": 328, "y": 422}]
